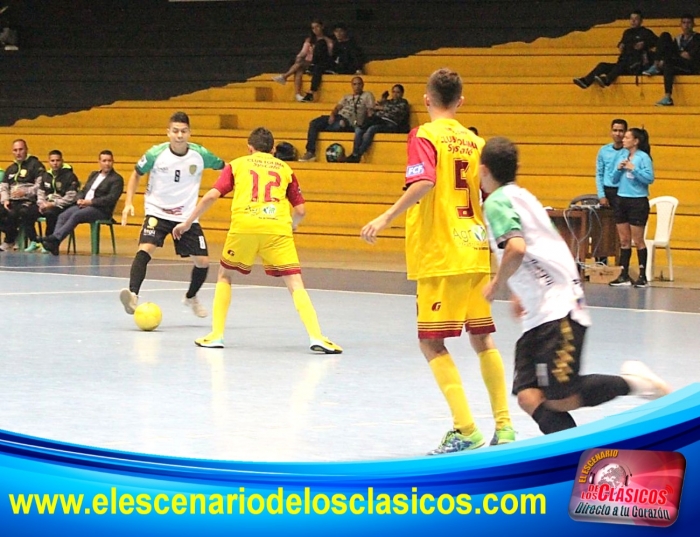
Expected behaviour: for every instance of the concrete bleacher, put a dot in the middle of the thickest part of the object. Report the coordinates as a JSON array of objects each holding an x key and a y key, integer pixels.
[{"x": 523, "y": 91}]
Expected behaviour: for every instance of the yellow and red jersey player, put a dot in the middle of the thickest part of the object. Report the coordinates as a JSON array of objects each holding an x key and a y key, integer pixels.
[
  {"x": 267, "y": 206},
  {"x": 447, "y": 253}
]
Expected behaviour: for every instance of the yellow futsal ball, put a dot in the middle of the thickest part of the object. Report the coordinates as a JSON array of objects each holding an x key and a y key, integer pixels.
[{"x": 148, "y": 316}]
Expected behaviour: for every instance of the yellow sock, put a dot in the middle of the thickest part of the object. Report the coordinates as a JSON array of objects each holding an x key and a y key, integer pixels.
[
  {"x": 222, "y": 300},
  {"x": 447, "y": 376},
  {"x": 302, "y": 302},
  {"x": 495, "y": 379}
]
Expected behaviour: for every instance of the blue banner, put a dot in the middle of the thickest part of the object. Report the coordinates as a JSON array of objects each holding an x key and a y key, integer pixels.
[{"x": 52, "y": 488}]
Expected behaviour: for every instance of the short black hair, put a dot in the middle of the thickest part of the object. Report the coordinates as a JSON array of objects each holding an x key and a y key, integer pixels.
[
  {"x": 619, "y": 122},
  {"x": 688, "y": 16},
  {"x": 444, "y": 87},
  {"x": 500, "y": 156},
  {"x": 637, "y": 12},
  {"x": 400, "y": 86},
  {"x": 642, "y": 136},
  {"x": 55, "y": 152},
  {"x": 474, "y": 130},
  {"x": 180, "y": 117},
  {"x": 340, "y": 26},
  {"x": 261, "y": 139},
  {"x": 107, "y": 152}
]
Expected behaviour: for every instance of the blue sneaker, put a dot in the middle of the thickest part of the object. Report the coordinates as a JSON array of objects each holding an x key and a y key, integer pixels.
[
  {"x": 454, "y": 442},
  {"x": 32, "y": 247},
  {"x": 652, "y": 71},
  {"x": 666, "y": 101}
]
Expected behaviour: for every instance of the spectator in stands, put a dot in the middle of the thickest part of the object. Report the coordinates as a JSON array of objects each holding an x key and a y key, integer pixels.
[
  {"x": 350, "y": 113},
  {"x": 96, "y": 201},
  {"x": 387, "y": 115},
  {"x": 633, "y": 174},
  {"x": 18, "y": 192},
  {"x": 348, "y": 57},
  {"x": 316, "y": 54},
  {"x": 676, "y": 56},
  {"x": 474, "y": 130},
  {"x": 58, "y": 190},
  {"x": 635, "y": 56},
  {"x": 8, "y": 35}
]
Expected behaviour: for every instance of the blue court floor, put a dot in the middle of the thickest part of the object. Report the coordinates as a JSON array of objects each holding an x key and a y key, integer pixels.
[{"x": 75, "y": 368}]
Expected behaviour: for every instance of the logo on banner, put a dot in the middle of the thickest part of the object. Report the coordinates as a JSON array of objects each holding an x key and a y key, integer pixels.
[{"x": 640, "y": 488}]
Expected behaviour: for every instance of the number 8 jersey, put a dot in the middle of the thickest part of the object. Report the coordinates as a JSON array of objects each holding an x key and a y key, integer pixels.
[
  {"x": 173, "y": 180},
  {"x": 445, "y": 233},
  {"x": 264, "y": 190}
]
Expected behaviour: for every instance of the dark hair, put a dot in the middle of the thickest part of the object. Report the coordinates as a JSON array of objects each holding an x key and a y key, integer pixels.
[
  {"x": 619, "y": 122},
  {"x": 500, "y": 156},
  {"x": 688, "y": 16},
  {"x": 400, "y": 88},
  {"x": 643, "y": 137},
  {"x": 261, "y": 139},
  {"x": 107, "y": 152},
  {"x": 340, "y": 26},
  {"x": 180, "y": 117},
  {"x": 474, "y": 130},
  {"x": 312, "y": 35},
  {"x": 444, "y": 87},
  {"x": 637, "y": 12},
  {"x": 55, "y": 152}
]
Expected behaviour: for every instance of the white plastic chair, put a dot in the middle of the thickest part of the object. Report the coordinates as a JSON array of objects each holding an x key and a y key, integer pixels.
[{"x": 665, "y": 211}]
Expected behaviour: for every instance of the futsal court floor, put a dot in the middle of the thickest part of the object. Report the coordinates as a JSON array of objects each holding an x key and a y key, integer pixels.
[{"x": 75, "y": 368}]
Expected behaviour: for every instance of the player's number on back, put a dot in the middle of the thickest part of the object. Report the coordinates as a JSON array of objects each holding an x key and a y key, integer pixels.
[
  {"x": 461, "y": 183},
  {"x": 276, "y": 181}
]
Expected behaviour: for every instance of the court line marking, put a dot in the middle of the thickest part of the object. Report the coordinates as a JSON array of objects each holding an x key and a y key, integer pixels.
[{"x": 249, "y": 286}]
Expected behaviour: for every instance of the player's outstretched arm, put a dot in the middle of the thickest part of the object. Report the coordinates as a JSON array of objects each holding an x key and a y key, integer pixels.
[
  {"x": 131, "y": 186},
  {"x": 512, "y": 258},
  {"x": 202, "y": 207},
  {"x": 413, "y": 195}
]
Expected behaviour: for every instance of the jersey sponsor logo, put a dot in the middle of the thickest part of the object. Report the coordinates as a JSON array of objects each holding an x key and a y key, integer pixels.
[
  {"x": 479, "y": 233},
  {"x": 142, "y": 161},
  {"x": 162, "y": 169},
  {"x": 151, "y": 222},
  {"x": 148, "y": 232},
  {"x": 416, "y": 169},
  {"x": 193, "y": 169},
  {"x": 174, "y": 210},
  {"x": 230, "y": 253},
  {"x": 269, "y": 210},
  {"x": 436, "y": 306}
]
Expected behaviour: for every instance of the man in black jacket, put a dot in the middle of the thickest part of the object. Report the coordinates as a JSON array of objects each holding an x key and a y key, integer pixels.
[
  {"x": 348, "y": 57},
  {"x": 58, "y": 190},
  {"x": 635, "y": 57},
  {"x": 679, "y": 56},
  {"x": 96, "y": 201},
  {"x": 18, "y": 191}
]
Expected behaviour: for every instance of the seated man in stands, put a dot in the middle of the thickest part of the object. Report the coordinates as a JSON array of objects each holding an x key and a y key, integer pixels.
[
  {"x": 676, "y": 56},
  {"x": 350, "y": 112},
  {"x": 18, "y": 208},
  {"x": 635, "y": 46},
  {"x": 388, "y": 115},
  {"x": 96, "y": 201},
  {"x": 348, "y": 58},
  {"x": 58, "y": 190}
]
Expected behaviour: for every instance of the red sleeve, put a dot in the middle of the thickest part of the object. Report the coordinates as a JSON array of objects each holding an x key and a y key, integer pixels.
[
  {"x": 224, "y": 183},
  {"x": 294, "y": 192},
  {"x": 422, "y": 157}
]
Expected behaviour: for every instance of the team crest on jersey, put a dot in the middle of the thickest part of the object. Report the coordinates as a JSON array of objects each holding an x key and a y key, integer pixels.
[
  {"x": 479, "y": 233},
  {"x": 416, "y": 169},
  {"x": 193, "y": 169},
  {"x": 142, "y": 161},
  {"x": 269, "y": 210},
  {"x": 151, "y": 222}
]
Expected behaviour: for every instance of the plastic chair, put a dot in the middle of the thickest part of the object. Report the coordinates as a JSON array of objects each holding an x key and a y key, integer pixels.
[
  {"x": 665, "y": 211},
  {"x": 95, "y": 236}
]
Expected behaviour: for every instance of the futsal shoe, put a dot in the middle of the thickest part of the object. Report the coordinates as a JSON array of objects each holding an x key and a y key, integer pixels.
[
  {"x": 211, "y": 341},
  {"x": 129, "y": 300},
  {"x": 325, "y": 346},
  {"x": 197, "y": 308},
  {"x": 623, "y": 280},
  {"x": 454, "y": 442},
  {"x": 642, "y": 381},
  {"x": 504, "y": 435}
]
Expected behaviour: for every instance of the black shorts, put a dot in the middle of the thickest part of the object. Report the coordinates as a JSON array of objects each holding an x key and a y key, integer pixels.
[
  {"x": 632, "y": 211},
  {"x": 154, "y": 231},
  {"x": 611, "y": 196},
  {"x": 548, "y": 357}
]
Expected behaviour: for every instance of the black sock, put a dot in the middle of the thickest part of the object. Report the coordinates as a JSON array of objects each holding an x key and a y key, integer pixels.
[
  {"x": 598, "y": 389},
  {"x": 625, "y": 256},
  {"x": 551, "y": 421},
  {"x": 642, "y": 257},
  {"x": 138, "y": 271},
  {"x": 199, "y": 276}
]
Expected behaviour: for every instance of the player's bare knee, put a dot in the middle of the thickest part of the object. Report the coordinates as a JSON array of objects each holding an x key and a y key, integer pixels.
[
  {"x": 201, "y": 261},
  {"x": 481, "y": 342},
  {"x": 530, "y": 399},
  {"x": 432, "y": 348}
]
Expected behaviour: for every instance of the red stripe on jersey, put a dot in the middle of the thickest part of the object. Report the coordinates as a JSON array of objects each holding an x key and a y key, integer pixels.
[
  {"x": 422, "y": 159},
  {"x": 294, "y": 192},
  {"x": 224, "y": 183}
]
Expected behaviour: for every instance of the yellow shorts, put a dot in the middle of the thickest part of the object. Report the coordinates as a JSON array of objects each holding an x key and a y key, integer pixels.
[
  {"x": 448, "y": 304},
  {"x": 278, "y": 253}
]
